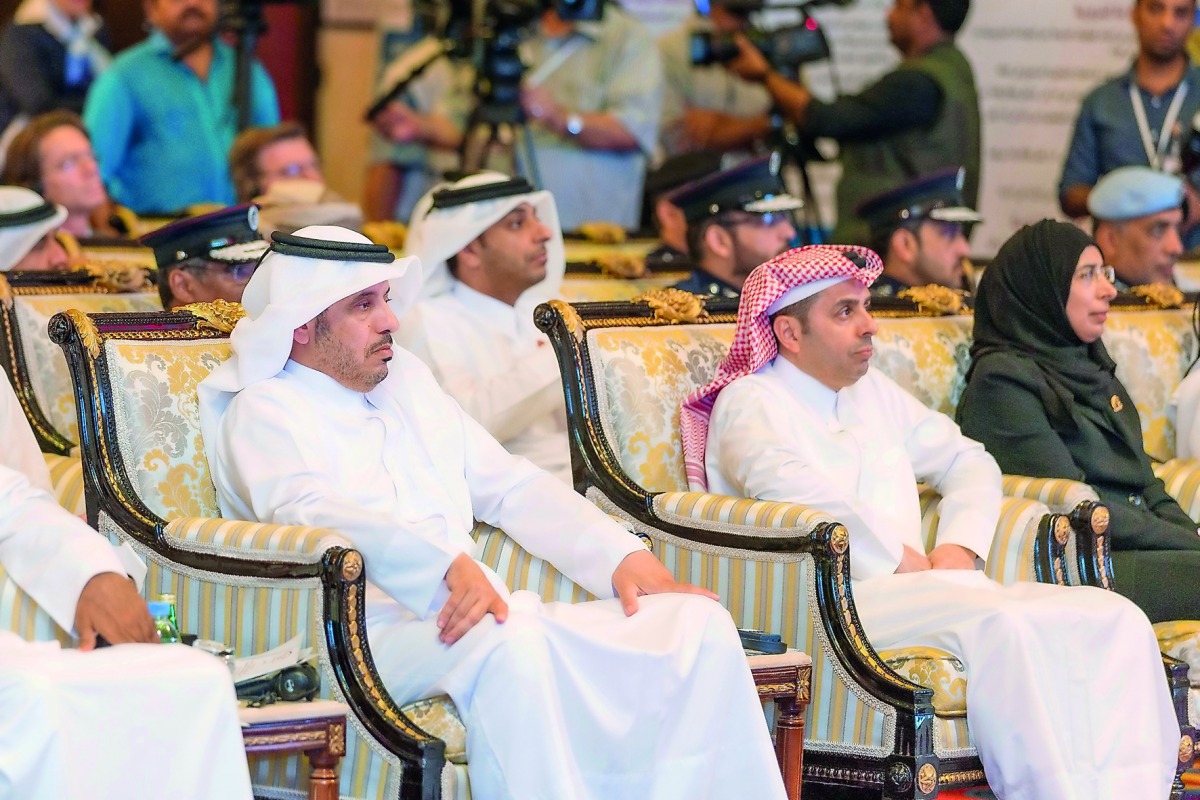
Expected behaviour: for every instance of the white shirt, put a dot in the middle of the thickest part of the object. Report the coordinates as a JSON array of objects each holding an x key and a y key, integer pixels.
[
  {"x": 403, "y": 472},
  {"x": 857, "y": 454},
  {"x": 489, "y": 357},
  {"x": 18, "y": 447}
]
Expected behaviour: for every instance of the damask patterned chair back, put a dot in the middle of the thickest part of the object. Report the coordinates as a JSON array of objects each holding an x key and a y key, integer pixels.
[
  {"x": 927, "y": 356},
  {"x": 34, "y": 363},
  {"x": 646, "y": 372},
  {"x": 1153, "y": 350}
]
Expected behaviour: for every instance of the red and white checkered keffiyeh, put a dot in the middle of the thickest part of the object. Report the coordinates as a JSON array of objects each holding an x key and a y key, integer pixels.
[{"x": 754, "y": 343}]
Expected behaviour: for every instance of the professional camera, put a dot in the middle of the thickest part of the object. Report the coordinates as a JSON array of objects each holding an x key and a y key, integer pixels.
[{"x": 786, "y": 47}]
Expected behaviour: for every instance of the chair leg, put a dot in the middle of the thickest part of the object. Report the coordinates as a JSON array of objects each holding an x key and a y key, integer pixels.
[
  {"x": 789, "y": 744},
  {"x": 323, "y": 780}
]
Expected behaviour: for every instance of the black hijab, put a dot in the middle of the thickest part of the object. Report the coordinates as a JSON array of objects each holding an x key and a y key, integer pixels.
[{"x": 1021, "y": 309}]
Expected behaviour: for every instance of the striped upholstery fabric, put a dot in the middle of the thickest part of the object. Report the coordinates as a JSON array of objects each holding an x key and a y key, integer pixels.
[
  {"x": 20, "y": 615},
  {"x": 66, "y": 476},
  {"x": 1182, "y": 479},
  {"x": 238, "y": 538},
  {"x": 700, "y": 506},
  {"x": 1060, "y": 494},
  {"x": 1011, "y": 556},
  {"x": 47, "y": 367},
  {"x": 521, "y": 570}
]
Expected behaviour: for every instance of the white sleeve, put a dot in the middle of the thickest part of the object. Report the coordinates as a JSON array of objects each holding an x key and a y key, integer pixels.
[
  {"x": 961, "y": 470},
  {"x": 1186, "y": 404},
  {"x": 48, "y": 552},
  {"x": 291, "y": 486},
  {"x": 20, "y": 450},
  {"x": 745, "y": 423},
  {"x": 507, "y": 398},
  {"x": 544, "y": 515}
]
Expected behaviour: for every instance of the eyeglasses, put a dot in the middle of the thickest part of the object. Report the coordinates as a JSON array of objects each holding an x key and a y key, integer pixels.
[
  {"x": 240, "y": 273},
  {"x": 764, "y": 220},
  {"x": 1088, "y": 274},
  {"x": 296, "y": 169}
]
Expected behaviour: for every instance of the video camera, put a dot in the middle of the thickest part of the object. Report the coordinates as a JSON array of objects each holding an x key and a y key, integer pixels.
[{"x": 786, "y": 47}]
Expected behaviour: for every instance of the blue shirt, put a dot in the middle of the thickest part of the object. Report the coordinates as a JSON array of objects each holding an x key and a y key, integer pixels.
[{"x": 162, "y": 135}]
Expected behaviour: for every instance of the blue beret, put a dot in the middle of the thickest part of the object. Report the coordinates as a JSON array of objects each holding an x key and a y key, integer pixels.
[{"x": 1130, "y": 192}]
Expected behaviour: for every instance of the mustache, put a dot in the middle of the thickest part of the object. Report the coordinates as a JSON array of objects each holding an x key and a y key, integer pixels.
[{"x": 385, "y": 341}]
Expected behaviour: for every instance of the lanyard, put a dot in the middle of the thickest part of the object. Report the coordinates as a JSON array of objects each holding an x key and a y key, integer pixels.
[{"x": 1153, "y": 156}]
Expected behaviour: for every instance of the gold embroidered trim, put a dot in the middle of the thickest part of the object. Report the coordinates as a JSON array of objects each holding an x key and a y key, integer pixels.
[
  {"x": 116, "y": 276},
  {"x": 284, "y": 738},
  {"x": 6, "y": 292}
]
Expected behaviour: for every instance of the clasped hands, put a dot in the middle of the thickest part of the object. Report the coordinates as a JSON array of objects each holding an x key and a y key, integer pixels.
[
  {"x": 944, "y": 556},
  {"x": 472, "y": 594}
]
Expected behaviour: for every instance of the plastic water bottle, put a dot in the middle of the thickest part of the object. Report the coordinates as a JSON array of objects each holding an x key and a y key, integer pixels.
[{"x": 162, "y": 613}]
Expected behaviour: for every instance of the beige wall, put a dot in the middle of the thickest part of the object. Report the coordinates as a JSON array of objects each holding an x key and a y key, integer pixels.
[{"x": 346, "y": 58}]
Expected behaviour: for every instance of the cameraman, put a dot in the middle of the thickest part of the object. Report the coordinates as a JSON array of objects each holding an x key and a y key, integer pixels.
[
  {"x": 593, "y": 98},
  {"x": 705, "y": 107},
  {"x": 919, "y": 118}
]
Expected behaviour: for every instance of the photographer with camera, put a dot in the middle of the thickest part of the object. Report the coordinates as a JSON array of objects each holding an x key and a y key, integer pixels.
[
  {"x": 160, "y": 118},
  {"x": 917, "y": 119},
  {"x": 592, "y": 96},
  {"x": 706, "y": 107}
]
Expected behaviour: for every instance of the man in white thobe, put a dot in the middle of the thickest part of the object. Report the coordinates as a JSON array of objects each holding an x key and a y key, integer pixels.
[
  {"x": 318, "y": 420},
  {"x": 493, "y": 250},
  {"x": 1065, "y": 696},
  {"x": 136, "y": 720}
]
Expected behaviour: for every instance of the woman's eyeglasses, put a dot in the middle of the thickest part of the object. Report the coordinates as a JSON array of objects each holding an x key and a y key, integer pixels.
[{"x": 1089, "y": 273}]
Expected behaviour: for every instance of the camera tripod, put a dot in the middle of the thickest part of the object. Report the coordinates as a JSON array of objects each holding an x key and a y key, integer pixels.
[{"x": 499, "y": 127}]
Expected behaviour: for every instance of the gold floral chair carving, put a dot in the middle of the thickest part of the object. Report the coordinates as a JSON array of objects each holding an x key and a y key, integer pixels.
[
  {"x": 150, "y": 485},
  {"x": 894, "y": 722}
]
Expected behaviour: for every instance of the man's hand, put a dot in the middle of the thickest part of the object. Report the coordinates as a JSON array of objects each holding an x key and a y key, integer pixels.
[
  {"x": 912, "y": 561},
  {"x": 540, "y": 107},
  {"x": 109, "y": 605},
  {"x": 694, "y": 130},
  {"x": 471, "y": 596},
  {"x": 750, "y": 64},
  {"x": 641, "y": 573},
  {"x": 400, "y": 124},
  {"x": 952, "y": 556}
]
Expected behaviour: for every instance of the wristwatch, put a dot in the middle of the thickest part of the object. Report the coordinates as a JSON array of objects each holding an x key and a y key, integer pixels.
[{"x": 574, "y": 124}]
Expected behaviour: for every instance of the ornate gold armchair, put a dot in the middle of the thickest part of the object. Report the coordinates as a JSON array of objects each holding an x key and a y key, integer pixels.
[{"x": 778, "y": 567}]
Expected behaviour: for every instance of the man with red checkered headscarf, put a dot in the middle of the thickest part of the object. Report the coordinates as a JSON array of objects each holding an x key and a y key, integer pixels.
[{"x": 1065, "y": 690}]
